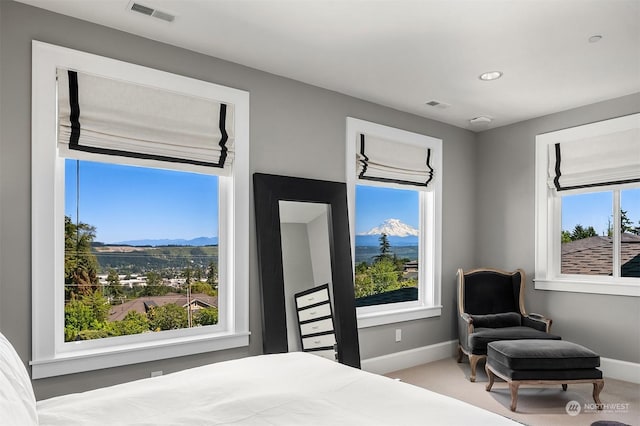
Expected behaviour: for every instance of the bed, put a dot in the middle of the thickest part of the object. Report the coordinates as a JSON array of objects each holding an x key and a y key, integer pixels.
[{"x": 284, "y": 389}]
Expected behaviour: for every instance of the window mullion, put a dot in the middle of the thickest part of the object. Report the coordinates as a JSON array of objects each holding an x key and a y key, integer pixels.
[{"x": 616, "y": 233}]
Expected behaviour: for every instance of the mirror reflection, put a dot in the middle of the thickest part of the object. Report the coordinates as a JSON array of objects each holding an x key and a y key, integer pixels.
[{"x": 306, "y": 257}]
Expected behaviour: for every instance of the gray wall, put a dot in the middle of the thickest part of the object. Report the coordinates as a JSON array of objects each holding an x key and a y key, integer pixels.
[
  {"x": 505, "y": 231},
  {"x": 296, "y": 130},
  {"x": 297, "y": 274}
]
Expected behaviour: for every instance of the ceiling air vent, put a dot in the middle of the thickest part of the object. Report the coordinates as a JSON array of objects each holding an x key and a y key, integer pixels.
[
  {"x": 437, "y": 104},
  {"x": 145, "y": 10}
]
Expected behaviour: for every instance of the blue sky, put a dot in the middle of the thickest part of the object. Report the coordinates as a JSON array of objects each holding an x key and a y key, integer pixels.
[
  {"x": 131, "y": 203},
  {"x": 596, "y": 209},
  {"x": 374, "y": 205}
]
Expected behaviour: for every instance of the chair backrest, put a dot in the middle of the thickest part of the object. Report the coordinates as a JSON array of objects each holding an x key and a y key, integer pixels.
[{"x": 490, "y": 291}]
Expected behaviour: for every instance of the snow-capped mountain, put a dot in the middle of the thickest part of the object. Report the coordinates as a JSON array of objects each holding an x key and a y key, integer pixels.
[{"x": 393, "y": 228}]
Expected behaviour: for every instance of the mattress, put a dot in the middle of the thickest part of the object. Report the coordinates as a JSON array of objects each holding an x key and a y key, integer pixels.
[{"x": 284, "y": 389}]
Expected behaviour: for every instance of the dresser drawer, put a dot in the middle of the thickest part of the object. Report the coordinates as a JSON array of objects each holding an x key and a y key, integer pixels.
[
  {"x": 326, "y": 353},
  {"x": 314, "y": 312},
  {"x": 312, "y": 298},
  {"x": 316, "y": 327},
  {"x": 325, "y": 340}
]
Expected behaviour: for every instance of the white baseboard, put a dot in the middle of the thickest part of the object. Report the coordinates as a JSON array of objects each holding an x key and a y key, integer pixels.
[
  {"x": 620, "y": 370},
  {"x": 406, "y": 359},
  {"x": 612, "y": 368}
]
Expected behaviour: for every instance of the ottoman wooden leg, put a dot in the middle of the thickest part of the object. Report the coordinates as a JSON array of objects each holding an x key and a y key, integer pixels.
[
  {"x": 564, "y": 386},
  {"x": 597, "y": 387},
  {"x": 490, "y": 375},
  {"x": 513, "y": 387}
]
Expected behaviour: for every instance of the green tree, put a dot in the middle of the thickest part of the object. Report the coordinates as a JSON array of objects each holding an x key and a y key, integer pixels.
[
  {"x": 207, "y": 316},
  {"x": 385, "y": 248},
  {"x": 363, "y": 284},
  {"x": 566, "y": 236},
  {"x": 626, "y": 225},
  {"x": 88, "y": 312},
  {"x": 384, "y": 276},
  {"x": 362, "y": 267},
  {"x": 154, "y": 285},
  {"x": 133, "y": 323},
  {"x": 212, "y": 275},
  {"x": 114, "y": 288},
  {"x": 80, "y": 264},
  {"x": 580, "y": 232},
  {"x": 77, "y": 317},
  {"x": 167, "y": 317},
  {"x": 203, "y": 287}
]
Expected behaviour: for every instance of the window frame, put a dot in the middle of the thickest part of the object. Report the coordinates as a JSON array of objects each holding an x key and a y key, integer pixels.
[
  {"x": 548, "y": 218},
  {"x": 51, "y": 356},
  {"x": 429, "y": 284}
]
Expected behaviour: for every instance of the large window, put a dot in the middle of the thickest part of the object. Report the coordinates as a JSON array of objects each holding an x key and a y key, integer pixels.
[
  {"x": 588, "y": 208},
  {"x": 394, "y": 184},
  {"x": 141, "y": 250},
  {"x": 140, "y": 223}
]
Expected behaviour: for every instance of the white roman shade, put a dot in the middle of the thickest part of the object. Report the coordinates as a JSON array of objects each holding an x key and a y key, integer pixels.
[
  {"x": 109, "y": 117},
  {"x": 609, "y": 159},
  {"x": 385, "y": 160}
]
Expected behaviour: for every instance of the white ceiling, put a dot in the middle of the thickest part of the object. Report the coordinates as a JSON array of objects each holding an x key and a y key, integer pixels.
[{"x": 403, "y": 53}]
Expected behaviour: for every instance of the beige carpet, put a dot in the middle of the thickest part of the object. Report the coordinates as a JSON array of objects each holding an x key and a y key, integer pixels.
[{"x": 536, "y": 405}]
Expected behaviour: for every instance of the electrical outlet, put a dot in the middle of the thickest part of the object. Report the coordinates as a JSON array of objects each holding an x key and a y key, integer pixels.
[
  {"x": 156, "y": 373},
  {"x": 398, "y": 334}
]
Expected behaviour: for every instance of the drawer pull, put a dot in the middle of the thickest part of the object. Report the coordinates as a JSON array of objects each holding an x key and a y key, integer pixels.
[{"x": 315, "y": 327}]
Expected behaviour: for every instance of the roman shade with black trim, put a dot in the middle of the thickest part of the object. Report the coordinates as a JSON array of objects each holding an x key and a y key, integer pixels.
[
  {"x": 384, "y": 160},
  {"x": 603, "y": 160},
  {"x": 110, "y": 117}
]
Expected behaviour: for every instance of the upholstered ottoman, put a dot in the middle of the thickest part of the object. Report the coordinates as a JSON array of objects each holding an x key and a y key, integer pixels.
[{"x": 543, "y": 362}]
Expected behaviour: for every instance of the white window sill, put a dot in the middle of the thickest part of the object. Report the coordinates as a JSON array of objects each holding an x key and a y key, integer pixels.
[
  {"x": 603, "y": 286},
  {"x": 79, "y": 361},
  {"x": 390, "y": 316}
]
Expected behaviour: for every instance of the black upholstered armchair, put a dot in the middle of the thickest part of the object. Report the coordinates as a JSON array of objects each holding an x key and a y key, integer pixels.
[{"x": 491, "y": 308}]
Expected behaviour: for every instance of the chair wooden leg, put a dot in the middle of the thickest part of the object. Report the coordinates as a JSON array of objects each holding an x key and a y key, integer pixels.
[
  {"x": 473, "y": 362},
  {"x": 460, "y": 354},
  {"x": 564, "y": 386},
  {"x": 513, "y": 387},
  {"x": 597, "y": 387}
]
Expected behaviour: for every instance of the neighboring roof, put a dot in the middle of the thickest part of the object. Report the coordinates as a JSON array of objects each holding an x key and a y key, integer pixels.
[
  {"x": 141, "y": 304},
  {"x": 400, "y": 295},
  {"x": 594, "y": 256}
]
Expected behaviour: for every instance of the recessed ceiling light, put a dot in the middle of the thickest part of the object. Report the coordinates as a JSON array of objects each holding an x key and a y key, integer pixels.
[
  {"x": 491, "y": 75},
  {"x": 483, "y": 119},
  {"x": 595, "y": 38}
]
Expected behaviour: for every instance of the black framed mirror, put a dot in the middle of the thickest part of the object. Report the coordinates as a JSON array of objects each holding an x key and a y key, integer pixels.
[{"x": 269, "y": 193}]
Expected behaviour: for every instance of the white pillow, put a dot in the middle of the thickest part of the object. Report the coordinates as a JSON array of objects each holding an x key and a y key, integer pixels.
[{"x": 17, "y": 400}]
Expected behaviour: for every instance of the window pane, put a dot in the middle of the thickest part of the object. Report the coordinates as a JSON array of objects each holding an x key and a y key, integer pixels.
[
  {"x": 630, "y": 241},
  {"x": 386, "y": 249},
  {"x": 141, "y": 250},
  {"x": 587, "y": 247}
]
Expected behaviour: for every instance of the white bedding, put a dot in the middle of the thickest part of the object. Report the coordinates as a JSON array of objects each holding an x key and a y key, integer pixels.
[{"x": 285, "y": 389}]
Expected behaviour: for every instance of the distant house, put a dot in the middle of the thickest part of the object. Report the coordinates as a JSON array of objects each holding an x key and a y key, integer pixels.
[
  {"x": 410, "y": 270},
  {"x": 143, "y": 304},
  {"x": 594, "y": 256}
]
